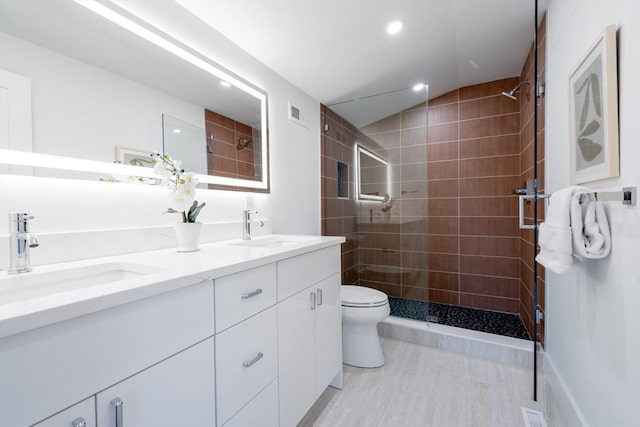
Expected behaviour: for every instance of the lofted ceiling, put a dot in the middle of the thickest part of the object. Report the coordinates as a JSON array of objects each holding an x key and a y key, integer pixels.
[{"x": 335, "y": 50}]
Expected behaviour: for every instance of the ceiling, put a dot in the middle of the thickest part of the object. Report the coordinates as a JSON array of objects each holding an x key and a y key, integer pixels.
[{"x": 339, "y": 50}]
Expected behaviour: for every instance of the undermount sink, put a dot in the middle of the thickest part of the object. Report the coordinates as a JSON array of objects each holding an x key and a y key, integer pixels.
[
  {"x": 274, "y": 241},
  {"x": 39, "y": 284}
]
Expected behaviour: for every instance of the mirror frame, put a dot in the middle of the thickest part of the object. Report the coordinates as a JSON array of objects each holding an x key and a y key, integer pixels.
[
  {"x": 361, "y": 150},
  {"x": 155, "y": 36}
]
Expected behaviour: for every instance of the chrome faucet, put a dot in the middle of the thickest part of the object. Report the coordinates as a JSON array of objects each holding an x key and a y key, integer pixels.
[
  {"x": 20, "y": 241},
  {"x": 246, "y": 222}
]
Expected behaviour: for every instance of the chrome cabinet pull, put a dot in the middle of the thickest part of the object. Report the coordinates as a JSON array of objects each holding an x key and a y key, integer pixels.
[
  {"x": 252, "y": 293},
  {"x": 248, "y": 363},
  {"x": 79, "y": 422},
  {"x": 319, "y": 293},
  {"x": 118, "y": 404},
  {"x": 312, "y": 300}
]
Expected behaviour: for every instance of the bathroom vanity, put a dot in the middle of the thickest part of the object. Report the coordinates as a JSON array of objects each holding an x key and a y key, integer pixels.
[{"x": 237, "y": 334}]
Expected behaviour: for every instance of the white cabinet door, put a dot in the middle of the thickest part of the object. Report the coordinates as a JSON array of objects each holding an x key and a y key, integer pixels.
[
  {"x": 296, "y": 356},
  {"x": 82, "y": 414},
  {"x": 328, "y": 332},
  {"x": 179, "y": 391}
]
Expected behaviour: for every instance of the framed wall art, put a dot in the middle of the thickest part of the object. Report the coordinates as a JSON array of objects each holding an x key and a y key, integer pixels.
[{"x": 593, "y": 97}]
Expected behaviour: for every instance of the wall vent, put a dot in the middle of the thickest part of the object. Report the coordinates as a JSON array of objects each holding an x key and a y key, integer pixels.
[{"x": 297, "y": 115}]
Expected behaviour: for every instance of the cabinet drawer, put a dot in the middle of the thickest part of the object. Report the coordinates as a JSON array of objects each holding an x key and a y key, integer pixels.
[
  {"x": 261, "y": 411},
  {"x": 61, "y": 364},
  {"x": 85, "y": 410},
  {"x": 298, "y": 273},
  {"x": 179, "y": 391},
  {"x": 241, "y": 295},
  {"x": 240, "y": 370}
]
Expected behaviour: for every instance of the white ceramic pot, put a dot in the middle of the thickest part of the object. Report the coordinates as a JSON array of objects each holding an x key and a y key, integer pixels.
[{"x": 188, "y": 234}]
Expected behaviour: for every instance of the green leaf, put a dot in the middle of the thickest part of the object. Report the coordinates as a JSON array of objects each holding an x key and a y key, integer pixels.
[
  {"x": 589, "y": 149},
  {"x": 584, "y": 84},
  {"x": 194, "y": 211},
  {"x": 171, "y": 210},
  {"x": 585, "y": 109},
  {"x": 595, "y": 88},
  {"x": 590, "y": 129}
]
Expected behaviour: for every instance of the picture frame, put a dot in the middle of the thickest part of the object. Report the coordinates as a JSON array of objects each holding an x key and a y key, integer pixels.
[
  {"x": 133, "y": 156},
  {"x": 593, "y": 116}
]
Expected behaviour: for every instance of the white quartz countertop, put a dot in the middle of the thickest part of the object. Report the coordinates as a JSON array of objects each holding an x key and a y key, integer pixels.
[{"x": 165, "y": 269}]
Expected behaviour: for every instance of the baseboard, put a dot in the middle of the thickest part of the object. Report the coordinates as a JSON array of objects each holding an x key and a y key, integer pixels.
[{"x": 559, "y": 406}]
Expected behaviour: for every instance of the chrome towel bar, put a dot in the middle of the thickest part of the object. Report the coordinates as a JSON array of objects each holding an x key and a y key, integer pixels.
[{"x": 628, "y": 196}]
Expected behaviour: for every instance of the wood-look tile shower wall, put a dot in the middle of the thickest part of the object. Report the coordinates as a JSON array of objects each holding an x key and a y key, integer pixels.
[
  {"x": 474, "y": 165},
  {"x": 469, "y": 250}
]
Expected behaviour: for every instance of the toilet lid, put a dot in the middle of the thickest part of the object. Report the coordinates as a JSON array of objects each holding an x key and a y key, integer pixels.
[{"x": 362, "y": 296}]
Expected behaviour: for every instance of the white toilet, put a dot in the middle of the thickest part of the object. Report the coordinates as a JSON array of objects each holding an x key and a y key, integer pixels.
[{"x": 362, "y": 309}]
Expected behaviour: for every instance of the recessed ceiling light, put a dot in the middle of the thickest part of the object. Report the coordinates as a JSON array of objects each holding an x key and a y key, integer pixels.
[
  {"x": 225, "y": 83},
  {"x": 394, "y": 27},
  {"x": 177, "y": 130},
  {"x": 418, "y": 87}
]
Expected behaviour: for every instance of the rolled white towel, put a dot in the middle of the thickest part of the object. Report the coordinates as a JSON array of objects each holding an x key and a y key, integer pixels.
[{"x": 589, "y": 227}]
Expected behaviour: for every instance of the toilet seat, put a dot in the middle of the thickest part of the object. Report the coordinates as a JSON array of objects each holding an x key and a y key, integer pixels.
[{"x": 361, "y": 297}]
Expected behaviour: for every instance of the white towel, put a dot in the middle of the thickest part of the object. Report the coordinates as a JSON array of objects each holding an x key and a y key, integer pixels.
[
  {"x": 572, "y": 227},
  {"x": 555, "y": 233},
  {"x": 589, "y": 227}
]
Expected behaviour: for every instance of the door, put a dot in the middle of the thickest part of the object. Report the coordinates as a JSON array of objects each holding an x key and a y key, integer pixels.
[
  {"x": 328, "y": 332},
  {"x": 82, "y": 414},
  {"x": 179, "y": 391},
  {"x": 296, "y": 355}
]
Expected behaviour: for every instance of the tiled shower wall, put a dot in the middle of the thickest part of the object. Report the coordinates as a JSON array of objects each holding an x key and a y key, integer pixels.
[
  {"x": 384, "y": 250},
  {"x": 468, "y": 252},
  {"x": 224, "y": 136},
  {"x": 526, "y": 173},
  {"x": 338, "y": 215},
  {"x": 473, "y": 167},
  {"x": 392, "y": 243}
]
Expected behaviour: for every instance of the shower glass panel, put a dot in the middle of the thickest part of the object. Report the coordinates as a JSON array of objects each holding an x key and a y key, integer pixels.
[{"x": 383, "y": 139}]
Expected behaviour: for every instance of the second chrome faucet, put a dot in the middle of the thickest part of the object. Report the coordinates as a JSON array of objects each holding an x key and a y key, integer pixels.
[
  {"x": 20, "y": 241},
  {"x": 246, "y": 223}
]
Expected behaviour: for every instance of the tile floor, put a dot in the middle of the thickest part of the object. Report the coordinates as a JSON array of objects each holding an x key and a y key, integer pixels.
[{"x": 425, "y": 387}]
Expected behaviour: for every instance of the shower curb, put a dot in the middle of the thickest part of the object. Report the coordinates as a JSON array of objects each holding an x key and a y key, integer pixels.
[{"x": 481, "y": 345}]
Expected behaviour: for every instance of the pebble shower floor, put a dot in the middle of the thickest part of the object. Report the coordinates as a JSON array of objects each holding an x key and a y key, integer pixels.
[{"x": 493, "y": 322}]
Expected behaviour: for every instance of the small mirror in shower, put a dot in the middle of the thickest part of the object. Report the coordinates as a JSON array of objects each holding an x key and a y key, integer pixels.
[{"x": 343, "y": 181}]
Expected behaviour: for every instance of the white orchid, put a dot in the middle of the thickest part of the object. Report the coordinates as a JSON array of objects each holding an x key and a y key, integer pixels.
[{"x": 182, "y": 186}]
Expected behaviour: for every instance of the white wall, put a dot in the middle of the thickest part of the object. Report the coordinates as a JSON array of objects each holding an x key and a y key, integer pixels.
[
  {"x": 293, "y": 205},
  {"x": 593, "y": 315},
  {"x": 82, "y": 111}
]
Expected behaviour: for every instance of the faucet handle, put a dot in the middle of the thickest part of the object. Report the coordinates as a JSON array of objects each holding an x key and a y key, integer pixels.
[{"x": 20, "y": 217}]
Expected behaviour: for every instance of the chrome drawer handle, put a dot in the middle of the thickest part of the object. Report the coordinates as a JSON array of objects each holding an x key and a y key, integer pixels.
[
  {"x": 312, "y": 300},
  {"x": 253, "y": 293},
  {"x": 248, "y": 363},
  {"x": 319, "y": 293},
  {"x": 79, "y": 422},
  {"x": 118, "y": 404}
]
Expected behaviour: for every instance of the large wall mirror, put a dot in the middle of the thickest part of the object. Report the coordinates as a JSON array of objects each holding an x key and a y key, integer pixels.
[{"x": 106, "y": 87}]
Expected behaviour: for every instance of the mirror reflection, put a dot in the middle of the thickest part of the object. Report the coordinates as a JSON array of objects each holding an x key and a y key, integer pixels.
[
  {"x": 373, "y": 175},
  {"x": 95, "y": 86}
]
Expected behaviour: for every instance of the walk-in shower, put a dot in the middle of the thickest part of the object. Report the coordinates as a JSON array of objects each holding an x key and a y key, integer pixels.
[{"x": 430, "y": 220}]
